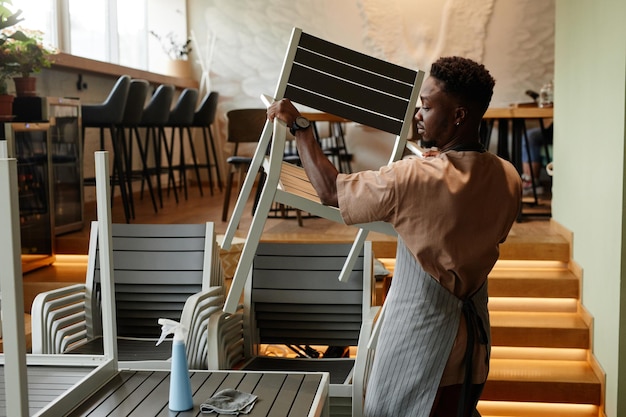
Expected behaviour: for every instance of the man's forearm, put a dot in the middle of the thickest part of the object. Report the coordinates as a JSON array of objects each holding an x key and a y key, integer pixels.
[{"x": 321, "y": 172}]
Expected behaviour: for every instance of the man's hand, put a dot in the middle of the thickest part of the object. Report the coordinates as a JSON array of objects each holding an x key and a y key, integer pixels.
[{"x": 283, "y": 110}]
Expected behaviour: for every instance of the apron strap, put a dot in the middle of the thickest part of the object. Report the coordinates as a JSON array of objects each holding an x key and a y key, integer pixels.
[{"x": 474, "y": 325}]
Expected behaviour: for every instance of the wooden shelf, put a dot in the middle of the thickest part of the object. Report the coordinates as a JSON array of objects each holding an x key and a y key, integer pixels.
[{"x": 80, "y": 64}]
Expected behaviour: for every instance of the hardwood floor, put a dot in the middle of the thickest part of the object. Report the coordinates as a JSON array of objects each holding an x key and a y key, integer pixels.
[
  {"x": 530, "y": 233},
  {"x": 533, "y": 223}
]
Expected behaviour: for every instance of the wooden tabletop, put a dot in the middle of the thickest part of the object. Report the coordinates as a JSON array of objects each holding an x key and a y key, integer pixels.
[{"x": 519, "y": 113}]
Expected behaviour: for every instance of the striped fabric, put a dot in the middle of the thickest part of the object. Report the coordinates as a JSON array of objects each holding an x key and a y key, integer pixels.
[{"x": 417, "y": 334}]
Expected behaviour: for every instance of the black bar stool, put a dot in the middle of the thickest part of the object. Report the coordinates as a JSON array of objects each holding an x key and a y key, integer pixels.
[
  {"x": 108, "y": 115},
  {"x": 180, "y": 119},
  {"x": 204, "y": 119},
  {"x": 153, "y": 118},
  {"x": 135, "y": 102}
]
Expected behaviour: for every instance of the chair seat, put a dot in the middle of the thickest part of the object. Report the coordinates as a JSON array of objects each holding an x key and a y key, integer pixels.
[
  {"x": 128, "y": 349},
  {"x": 239, "y": 160},
  {"x": 96, "y": 115},
  {"x": 339, "y": 368}
]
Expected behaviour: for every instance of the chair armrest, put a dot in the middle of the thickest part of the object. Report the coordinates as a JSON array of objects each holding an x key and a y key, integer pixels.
[
  {"x": 59, "y": 319},
  {"x": 195, "y": 317},
  {"x": 225, "y": 340}
]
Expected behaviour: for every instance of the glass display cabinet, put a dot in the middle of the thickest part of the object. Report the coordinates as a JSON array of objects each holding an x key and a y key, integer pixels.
[
  {"x": 28, "y": 143},
  {"x": 44, "y": 137}
]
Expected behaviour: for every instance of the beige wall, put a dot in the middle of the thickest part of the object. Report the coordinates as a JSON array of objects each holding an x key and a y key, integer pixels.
[
  {"x": 589, "y": 135},
  {"x": 514, "y": 39}
]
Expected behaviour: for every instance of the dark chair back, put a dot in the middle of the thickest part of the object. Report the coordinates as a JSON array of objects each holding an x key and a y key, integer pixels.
[
  {"x": 111, "y": 111},
  {"x": 135, "y": 102},
  {"x": 157, "y": 110},
  {"x": 205, "y": 115},
  {"x": 183, "y": 112},
  {"x": 245, "y": 126}
]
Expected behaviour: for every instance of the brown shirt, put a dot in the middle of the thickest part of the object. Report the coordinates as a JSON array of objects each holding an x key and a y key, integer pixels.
[{"x": 451, "y": 210}]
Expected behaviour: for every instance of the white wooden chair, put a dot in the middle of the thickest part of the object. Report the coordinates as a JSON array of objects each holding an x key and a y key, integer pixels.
[
  {"x": 336, "y": 80},
  {"x": 160, "y": 271},
  {"x": 293, "y": 298}
]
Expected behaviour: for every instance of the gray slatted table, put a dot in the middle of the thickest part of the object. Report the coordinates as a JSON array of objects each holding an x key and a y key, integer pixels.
[
  {"x": 145, "y": 393},
  {"x": 45, "y": 383}
]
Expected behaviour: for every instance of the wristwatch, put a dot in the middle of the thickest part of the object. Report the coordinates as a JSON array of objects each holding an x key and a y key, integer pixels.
[{"x": 300, "y": 123}]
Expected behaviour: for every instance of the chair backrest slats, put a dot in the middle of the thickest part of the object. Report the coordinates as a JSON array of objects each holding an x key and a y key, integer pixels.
[
  {"x": 156, "y": 269},
  {"x": 297, "y": 298},
  {"x": 349, "y": 84},
  {"x": 158, "y": 260}
]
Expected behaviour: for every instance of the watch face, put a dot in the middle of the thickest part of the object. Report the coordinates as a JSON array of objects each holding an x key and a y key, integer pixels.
[{"x": 302, "y": 122}]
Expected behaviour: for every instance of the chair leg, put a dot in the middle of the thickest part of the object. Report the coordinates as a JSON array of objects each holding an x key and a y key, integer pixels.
[
  {"x": 168, "y": 156},
  {"x": 126, "y": 163},
  {"x": 157, "y": 159},
  {"x": 145, "y": 174},
  {"x": 182, "y": 173},
  {"x": 208, "y": 160},
  {"x": 192, "y": 148},
  {"x": 229, "y": 184},
  {"x": 216, "y": 164},
  {"x": 119, "y": 177}
]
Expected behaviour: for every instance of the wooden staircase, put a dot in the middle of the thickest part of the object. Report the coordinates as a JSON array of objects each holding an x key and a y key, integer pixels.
[{"x": 541, "y": 363}]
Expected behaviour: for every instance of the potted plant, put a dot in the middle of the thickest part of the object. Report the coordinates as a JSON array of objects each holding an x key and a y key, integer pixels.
[
  {"x": 30, "y": 56},
  {"x": 174, "y": 49},
  {"x": 178, "y": 52},
  {"x": 7, "y": 60}
]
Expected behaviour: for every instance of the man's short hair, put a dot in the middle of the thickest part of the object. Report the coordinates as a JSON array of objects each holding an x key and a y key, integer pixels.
[{"x": 466, "y": 79}]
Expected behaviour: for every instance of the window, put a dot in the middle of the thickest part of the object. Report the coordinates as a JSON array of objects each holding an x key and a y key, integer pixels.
[{"x": 116, "y": 31}]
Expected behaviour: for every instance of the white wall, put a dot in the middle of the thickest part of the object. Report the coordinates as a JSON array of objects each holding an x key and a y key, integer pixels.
[{"x": 588, "y": 199}]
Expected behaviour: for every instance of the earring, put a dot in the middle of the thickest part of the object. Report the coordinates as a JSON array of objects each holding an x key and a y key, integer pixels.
[{"x": 458, "y": 123}]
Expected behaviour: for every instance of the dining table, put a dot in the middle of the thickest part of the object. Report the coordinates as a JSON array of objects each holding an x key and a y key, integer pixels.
[
  {"x": 512, "y": 123},
  {"x": 513, "y": 119},
  {"x": 145, "y": 393}
]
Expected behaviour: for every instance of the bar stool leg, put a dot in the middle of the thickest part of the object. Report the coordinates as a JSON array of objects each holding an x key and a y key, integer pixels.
[
  {"x": 145, "y": 173},
  {"x": 208, "y": 160},
  {"x": 118, "y": 176},
  {"x": 168, "y": 157},
  {"x": 126, "y": 178},
  {"x": 192, "y": 148}
]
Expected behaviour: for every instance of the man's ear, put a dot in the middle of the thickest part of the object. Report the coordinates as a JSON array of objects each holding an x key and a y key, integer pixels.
[{"x": 460, "y": 115}]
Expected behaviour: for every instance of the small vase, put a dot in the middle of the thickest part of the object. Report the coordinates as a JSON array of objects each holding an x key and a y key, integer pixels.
[
  {"x": 179, "y": 68},
  {"x": 25, "y": 86},
  {"x": 6, "y": 107}
]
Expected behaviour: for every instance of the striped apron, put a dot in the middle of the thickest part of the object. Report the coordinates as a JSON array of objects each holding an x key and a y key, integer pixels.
[{"x": 416, "y": 337}]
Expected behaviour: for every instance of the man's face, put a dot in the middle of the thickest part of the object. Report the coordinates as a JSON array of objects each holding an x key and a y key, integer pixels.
[{"x": 435, "y": 119}]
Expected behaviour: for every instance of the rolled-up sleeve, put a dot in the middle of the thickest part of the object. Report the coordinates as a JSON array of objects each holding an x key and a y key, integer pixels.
[{"x": 366, "y": 196}]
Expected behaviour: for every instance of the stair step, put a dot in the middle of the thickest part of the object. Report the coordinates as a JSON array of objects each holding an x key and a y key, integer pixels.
[
  {"x": 553, "y": 381},
  {"x": 548, "y": 246},
  {"x": 517, "y": 409},
  {"x": 536, "y": 353},
  {"x": 528, "y": 304},
  {"x": 532, "y": 281},
  {"x": 531, "y": 329}
]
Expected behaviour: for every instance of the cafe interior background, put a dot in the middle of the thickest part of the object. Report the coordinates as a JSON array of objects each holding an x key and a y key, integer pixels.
[{"x": 581, "y": 45}]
